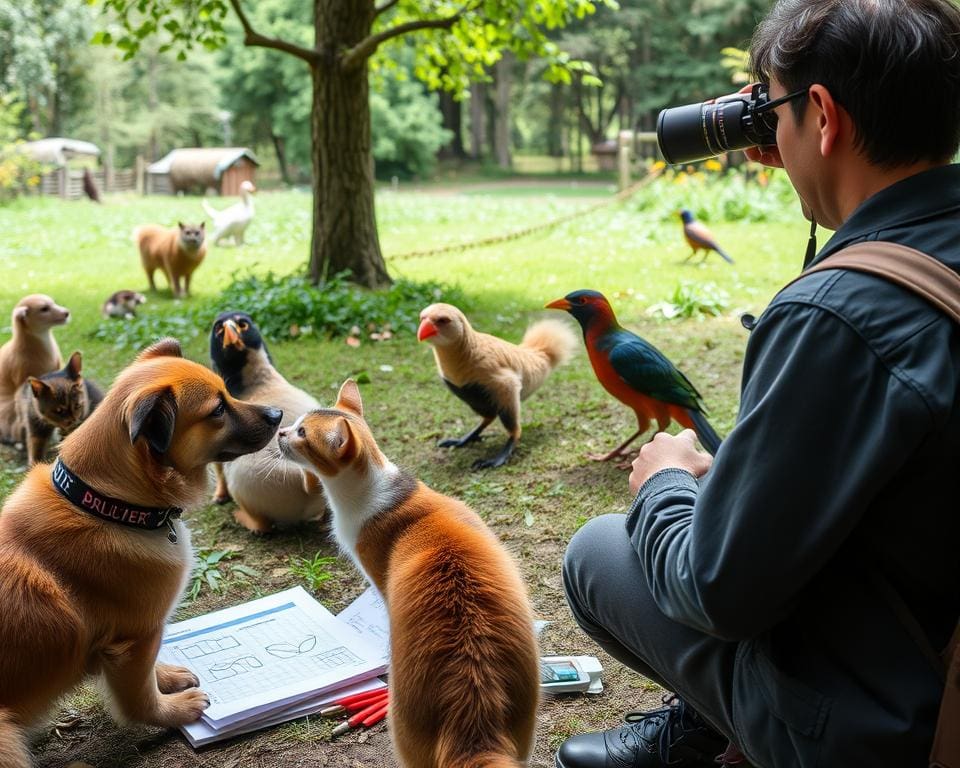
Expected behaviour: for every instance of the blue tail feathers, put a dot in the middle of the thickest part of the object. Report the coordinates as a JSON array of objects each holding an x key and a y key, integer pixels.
[{"x": 708, "y": 436}]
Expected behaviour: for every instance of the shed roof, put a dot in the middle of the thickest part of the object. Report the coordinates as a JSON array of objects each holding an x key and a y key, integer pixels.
[
  {"x": 208, "y": 161},
  {"x": 58, "y": 150}
]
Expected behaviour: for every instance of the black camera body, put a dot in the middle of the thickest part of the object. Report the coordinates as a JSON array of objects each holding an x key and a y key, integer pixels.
[{"x": 698, "y": 131}]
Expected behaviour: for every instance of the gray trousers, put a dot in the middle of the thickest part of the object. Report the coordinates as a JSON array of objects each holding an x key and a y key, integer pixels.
[{"x": 610, "y": 600}]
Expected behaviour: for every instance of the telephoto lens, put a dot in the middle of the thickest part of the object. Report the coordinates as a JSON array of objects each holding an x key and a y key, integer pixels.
[{"x": 698, "y": 131}]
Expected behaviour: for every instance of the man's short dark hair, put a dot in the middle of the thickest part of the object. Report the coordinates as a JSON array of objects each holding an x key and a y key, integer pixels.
[{"x": 893, "y": 65}]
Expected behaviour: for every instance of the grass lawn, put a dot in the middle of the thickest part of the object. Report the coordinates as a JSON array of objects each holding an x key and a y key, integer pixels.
[{"x": 79, "y": 253}]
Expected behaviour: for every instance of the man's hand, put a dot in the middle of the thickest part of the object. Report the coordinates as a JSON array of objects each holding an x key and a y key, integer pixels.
[{"x": 668, "y": 452}]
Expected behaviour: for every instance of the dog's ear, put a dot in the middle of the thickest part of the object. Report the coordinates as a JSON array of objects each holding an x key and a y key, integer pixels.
[
  {"x": 168, "y": 347},
  {"x": 74, "y": 364},
  {"x": 203, "y": 225},
  {"x": 20, "y": 314},
  {"x": 153, "y": 417},
  {"x": 180, "y": 224},
  {"x": 348, "y": 399}
]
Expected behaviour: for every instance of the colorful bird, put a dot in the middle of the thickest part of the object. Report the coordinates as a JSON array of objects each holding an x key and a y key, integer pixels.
[
  {"x": 699, "y": 238},
  {"x": 636, "y": 373}
]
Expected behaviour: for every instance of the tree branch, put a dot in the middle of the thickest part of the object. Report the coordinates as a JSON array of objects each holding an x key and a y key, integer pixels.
[
  {"x": 384, "y": 8},
  {"x": 254, "y": 38},
  {"x": 365, "y": 48}
]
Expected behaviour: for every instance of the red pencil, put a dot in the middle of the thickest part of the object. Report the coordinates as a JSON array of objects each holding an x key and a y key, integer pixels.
[
  {"x": 361, "y": 696},
  {"x": 356, "y": 703},
  {"x": 376, "y": 717},
  {"x": 375, "y": 712}
]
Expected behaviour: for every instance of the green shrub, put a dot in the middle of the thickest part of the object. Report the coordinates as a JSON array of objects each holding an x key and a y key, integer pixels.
[
  {"x": 751, "y": 194},
  {"x": 691, "y": 300},
  {"x": 19, "y": 173},
  {"x": 288, "y": 307}
]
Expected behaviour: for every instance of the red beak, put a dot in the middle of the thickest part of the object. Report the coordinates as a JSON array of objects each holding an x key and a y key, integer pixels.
[
  {"x": 559, "y": 304},
  {"x": 426, "y": 329}
]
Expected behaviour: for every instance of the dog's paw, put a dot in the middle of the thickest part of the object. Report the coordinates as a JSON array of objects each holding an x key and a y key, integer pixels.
[
  {"x": 171, "y": 679},
  {"x": 183, "y": 707}
]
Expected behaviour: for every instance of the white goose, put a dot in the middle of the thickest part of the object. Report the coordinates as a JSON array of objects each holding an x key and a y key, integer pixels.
[{"x": 232, "y": 221}]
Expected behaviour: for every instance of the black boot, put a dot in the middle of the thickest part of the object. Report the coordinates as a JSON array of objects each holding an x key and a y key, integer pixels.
[{"x": 672, "y": 736}]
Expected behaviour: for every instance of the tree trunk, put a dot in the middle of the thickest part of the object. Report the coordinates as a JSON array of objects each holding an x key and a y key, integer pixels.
[
  {"x": 501, "y": 122},
  {"x": 279, "y": 148},
  {"x": 478, "y": 120},
  {"x": 344, "y": 222},
  {"x": 451, "y": 111},
  {"x": 555, "y": 129}
]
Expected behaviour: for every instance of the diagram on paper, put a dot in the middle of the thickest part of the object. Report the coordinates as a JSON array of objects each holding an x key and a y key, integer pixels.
[
  {"x": 233, "y": 667},
  {"x": 269, "y": 650},
  {"x": 289, "y": 650},
  {"x": 337, "y": 658},
  {"x": 208, "y": 647}
]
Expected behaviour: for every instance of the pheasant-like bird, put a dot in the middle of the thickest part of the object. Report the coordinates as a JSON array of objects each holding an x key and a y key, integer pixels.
[
  {"x": 489, "y": 374},
  {"x": 636, "y": 373},
  {"x": 699, "y": 238}
]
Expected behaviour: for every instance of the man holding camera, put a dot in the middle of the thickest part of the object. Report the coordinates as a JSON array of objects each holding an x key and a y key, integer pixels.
[{"x": 795, "y": 597}]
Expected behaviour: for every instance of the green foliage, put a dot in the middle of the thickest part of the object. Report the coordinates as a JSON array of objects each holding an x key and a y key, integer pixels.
[
  {"x": 405, "y": 123},
  {"x": 147, "y": 106},
  {"x": 41, "y": 59},
  {"x": 207, "y": 571},
  {"x": 290, "y": 307},
  {"x": 731, "y": 195},
  {"x": 315, "y": 571},
  {"x": 692, "y": 299},
  {"x": 19, "y": 173},
  {"x": 286, "y": 307}
]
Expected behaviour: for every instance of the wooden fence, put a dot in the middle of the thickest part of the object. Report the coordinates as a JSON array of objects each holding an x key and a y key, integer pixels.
[{"x": 68, "y": 182}]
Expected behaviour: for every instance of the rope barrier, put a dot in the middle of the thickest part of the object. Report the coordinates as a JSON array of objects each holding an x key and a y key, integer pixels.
[{"x": 518, "y": 233}]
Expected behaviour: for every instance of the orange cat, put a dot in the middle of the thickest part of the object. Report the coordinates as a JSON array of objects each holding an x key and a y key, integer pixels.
[
  {"x": 176, "y": 252},
  {"x": 464, "y": 680}
]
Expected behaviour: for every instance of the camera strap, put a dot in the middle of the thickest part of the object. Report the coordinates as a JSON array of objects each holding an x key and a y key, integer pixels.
[{"x": 811, "y": 243}]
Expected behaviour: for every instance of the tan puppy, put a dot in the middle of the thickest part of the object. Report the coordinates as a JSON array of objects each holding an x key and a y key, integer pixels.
[
  {"x": 91, "y": 561},
  {"x": 176, "y": 252},
  {"x": 464, "y": 678},
  {"x": 31, "y": 352}
]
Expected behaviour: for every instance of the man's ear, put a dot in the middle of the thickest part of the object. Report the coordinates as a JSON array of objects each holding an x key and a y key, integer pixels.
[
  {"x": 347, "y": 444},
  {"x": 348, "y": 399},
  {"x": 37, "y": 386},
  {"x": 74, "y": 365},
  {"x": 168, "y": 347},
  {"x": 828, "y": 115},
  {"x": 153, "y": 416}
]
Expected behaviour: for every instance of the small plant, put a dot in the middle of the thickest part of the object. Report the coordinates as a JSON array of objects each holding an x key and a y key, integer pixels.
[
  {"x": 315, "y": 571},
  {"x": 691, "y": 300},
  {"x": 207, "y": 571},
  {"x": 289, "y": 307}
]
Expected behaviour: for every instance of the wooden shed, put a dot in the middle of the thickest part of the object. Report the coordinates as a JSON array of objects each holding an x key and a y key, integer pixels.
[{"x": 201, "y": 168}]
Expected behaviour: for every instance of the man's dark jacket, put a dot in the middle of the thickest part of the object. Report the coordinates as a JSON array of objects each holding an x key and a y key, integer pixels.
[{"x": 841, "y": 476}]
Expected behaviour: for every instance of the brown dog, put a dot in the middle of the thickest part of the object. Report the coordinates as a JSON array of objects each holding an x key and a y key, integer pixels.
[
  {"x": 176, "y": 252},
  {"x": 92, "y": 564},
  {"x": 31, "y": 352}
]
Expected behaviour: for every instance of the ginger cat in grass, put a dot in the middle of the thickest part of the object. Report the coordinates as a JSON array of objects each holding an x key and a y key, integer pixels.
[
  {"x": 176, "y": 252},
  {"x": 464, "y": 675}
]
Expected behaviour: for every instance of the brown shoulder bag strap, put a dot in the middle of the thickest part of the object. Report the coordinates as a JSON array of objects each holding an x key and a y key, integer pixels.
[{"x": 939, "y": 285}]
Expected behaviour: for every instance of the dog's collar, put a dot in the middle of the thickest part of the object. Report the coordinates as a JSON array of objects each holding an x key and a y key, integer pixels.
[{"x": 81, "y": 495}]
